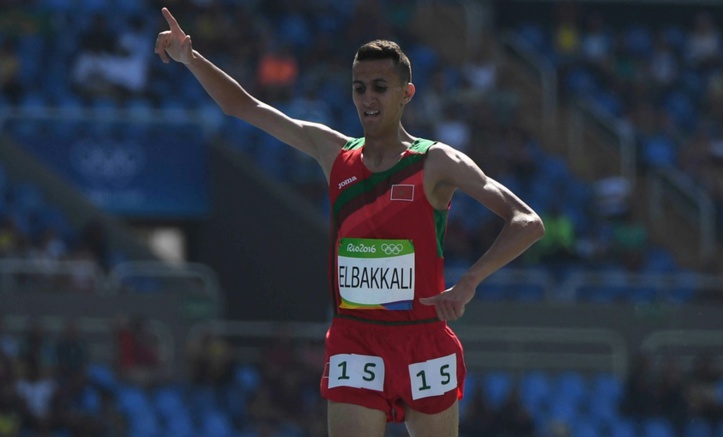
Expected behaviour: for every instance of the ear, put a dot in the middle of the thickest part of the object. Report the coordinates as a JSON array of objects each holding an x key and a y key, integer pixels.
[{"x": 409, "y": 91}]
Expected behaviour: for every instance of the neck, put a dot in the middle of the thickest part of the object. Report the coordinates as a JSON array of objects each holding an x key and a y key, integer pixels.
[{"x": 383, "y": 151}]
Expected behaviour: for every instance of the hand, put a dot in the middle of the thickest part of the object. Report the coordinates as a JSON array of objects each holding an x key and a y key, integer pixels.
[
  {"x": 173, "y": 43},
  {"x": 450, "y": 303}
]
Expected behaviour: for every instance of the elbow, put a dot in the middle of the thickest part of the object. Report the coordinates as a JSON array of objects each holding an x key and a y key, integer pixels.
[
  {"x": 538, "y": 227},
  {"x": 532, "y": 226}
]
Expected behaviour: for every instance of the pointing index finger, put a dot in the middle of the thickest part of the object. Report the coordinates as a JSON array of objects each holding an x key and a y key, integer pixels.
[{"x": 170, "y": 19}]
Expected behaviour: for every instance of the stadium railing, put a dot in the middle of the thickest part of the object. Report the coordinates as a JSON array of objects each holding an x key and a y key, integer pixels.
[
  {"x": 583, "y": 117},
  {"x": 23, "y": 275},
  {"x": 98, "y": 332}
]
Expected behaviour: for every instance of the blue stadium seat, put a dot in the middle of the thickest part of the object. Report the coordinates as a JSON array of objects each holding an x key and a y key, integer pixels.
[
  {"x": 606, "y": 385},
  {"x": 535, "y": 386},
  {"x": 585, "y": 428},
  {"x": 570, "y": 384},
  {"x": 216, "y": 423},
  {"x": 562, "y": 408},
  {"x": 698, "y": 427},
  {"x": 622, "y": 428},
  {"x": 609, "y": 102},
  {"x": 659, "y": 150},
  {"x": 581, "y": 82},
  {"x": 638, "y": 40},
  {"x": 657, "y": 427},
  {"x": 675, "y": 36},
  {"x": 172, "y": 409},
  {"x": 248, "y": 378},
  {"x": 533, "y": 35},
  {"x": 496, "y": 387},
  {"x": 102, "y": 376}
]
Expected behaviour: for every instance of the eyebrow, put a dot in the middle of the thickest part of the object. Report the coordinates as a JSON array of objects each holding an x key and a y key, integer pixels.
[{"x": 357, "y": 81}]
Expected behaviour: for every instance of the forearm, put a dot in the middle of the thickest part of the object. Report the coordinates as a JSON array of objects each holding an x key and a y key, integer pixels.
[
  {"x": 230, "y": 96},
  {"x": 516, "y": 237}
]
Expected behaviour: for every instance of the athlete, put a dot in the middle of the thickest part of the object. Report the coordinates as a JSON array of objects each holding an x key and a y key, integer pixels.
[{"x": 390, "y": 356}]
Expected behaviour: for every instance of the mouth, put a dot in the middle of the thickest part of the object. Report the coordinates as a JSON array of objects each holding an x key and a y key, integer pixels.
[{"x": 371, "y": 113}]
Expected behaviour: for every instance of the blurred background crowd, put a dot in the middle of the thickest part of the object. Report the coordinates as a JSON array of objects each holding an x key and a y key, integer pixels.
[{"x": 661, "y": 80}]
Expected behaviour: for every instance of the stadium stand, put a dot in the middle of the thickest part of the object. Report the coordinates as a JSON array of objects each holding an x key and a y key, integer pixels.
[{"x": 598, "y": 251}]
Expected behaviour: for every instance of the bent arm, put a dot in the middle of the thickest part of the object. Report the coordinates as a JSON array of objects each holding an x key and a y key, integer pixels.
[{"x": 523, "y": 227}]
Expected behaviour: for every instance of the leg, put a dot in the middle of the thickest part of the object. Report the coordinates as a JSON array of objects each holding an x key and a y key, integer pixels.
[
  {"x": 444, "y": 424},
  {"x": 348, "y": 420}
]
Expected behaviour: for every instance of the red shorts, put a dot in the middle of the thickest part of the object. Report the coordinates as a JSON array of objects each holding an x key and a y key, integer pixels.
[{"x": 389, "y": 368}]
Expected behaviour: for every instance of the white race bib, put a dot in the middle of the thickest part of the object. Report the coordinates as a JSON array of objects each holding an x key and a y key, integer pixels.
[
  {"x": 433, "y": 377},
  {"x": 376, "y": 273},
  {"x": 358, "y": 371}
]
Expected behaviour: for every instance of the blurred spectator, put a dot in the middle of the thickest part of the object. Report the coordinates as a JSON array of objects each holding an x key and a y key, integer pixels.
[
  {"x": 210, "y": 359},
  {"x": 638, "y": 398},
  {"x": 132, "y": 64},
  {"x": 81, "y": 276},
  {"x": 10, "y": 84},
  {"x": 112, "y": 64},
  {"x": 566, "y": 33},
  {"x": 703, "y": 396},
  {"x": 9, "y": 345},
  {"x": 477, "y": 418},
  {"x": 98, "y": 65},
  {"x": 51, "y": 247},
  {"x": 94, "y": 238},
  {"x": 37, "y": 390},
  {"x": 139, "y": 361},
  {"x": 36, "y": 349},
  {"x": 10, "y": 237},
  {"x": 671, "y": 398},
  {"x": 75, "y": 408},
  {"x": 704, "y": 43},
  {"x": 451, "y": 127},
  {"x": 11, "y": 411},
  {"x": 629, "y": 241},
  {"x": 72, "y": 353},
  {"x": 277, "y": 73},
  {"x": 480, "y": 69},
  {"x": 612, "y": 197},
  {"x": 559, "y": 242},
  {"x": 513, "y": 418},
  {"x": 11, "y": 415},
  {"x": 596, "y": 42},
  {"x": 664, "y": 68},
  {"x": 113, "y": 422}
]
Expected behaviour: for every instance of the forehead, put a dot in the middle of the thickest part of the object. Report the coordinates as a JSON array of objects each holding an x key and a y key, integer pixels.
[{"x": 370, "y": 70}]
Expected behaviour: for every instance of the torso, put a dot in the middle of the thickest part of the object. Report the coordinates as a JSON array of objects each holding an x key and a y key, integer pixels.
[{"x": 373, "y": 211}]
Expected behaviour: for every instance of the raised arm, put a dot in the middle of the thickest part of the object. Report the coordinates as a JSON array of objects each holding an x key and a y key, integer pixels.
[
  {"x": 317, "y": 140},
  {"x": 448, "y": 170}
]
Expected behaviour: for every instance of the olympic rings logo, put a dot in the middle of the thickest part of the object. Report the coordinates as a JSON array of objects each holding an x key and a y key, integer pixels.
[{"x": 392, "y": 249}]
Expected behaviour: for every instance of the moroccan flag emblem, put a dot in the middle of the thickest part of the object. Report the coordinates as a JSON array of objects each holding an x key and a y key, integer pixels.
[{"x": 402, "y": 192}]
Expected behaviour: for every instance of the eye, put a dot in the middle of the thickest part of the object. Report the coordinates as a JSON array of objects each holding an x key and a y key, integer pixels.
[
  {"x": 380, "y": 88},
  {"x": 359, "y": 89}
]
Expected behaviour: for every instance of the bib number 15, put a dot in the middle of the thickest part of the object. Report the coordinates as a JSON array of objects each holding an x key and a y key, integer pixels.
[
  {"x": 358, "y": 371},
  {"x": 433, "y": 377}
]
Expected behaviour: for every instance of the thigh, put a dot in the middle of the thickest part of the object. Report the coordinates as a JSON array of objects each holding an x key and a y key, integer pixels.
[
  {"x": 348, "y": 420},
  {"x": 443, "y": 424}
]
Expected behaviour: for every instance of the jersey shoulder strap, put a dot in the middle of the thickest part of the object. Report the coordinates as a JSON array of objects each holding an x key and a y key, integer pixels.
[
  {"x": 353, "y": 143},
  {"x": 421, "y": 145}
]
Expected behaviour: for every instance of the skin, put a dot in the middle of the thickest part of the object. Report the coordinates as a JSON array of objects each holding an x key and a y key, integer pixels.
[{"x": 379, "y": 97}]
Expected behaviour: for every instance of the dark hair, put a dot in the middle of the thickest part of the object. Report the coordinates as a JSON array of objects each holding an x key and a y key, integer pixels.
[{"x": 384, "y": 49}]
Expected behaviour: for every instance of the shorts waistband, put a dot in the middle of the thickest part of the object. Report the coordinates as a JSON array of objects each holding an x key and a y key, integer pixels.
[{"x": 351, "y": 320}]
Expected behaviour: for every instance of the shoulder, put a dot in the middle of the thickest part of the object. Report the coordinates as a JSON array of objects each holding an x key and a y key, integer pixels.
[{"x": 445, "y": 156}]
